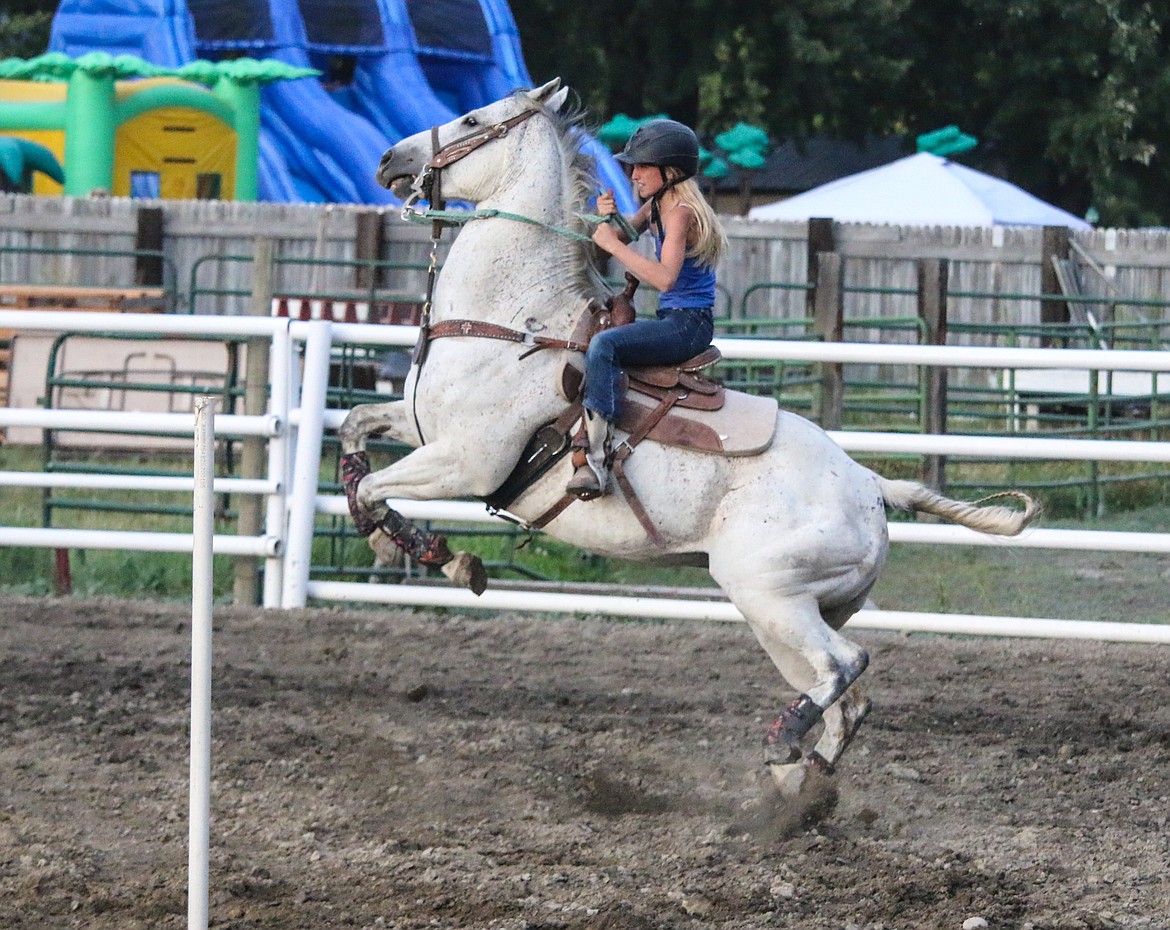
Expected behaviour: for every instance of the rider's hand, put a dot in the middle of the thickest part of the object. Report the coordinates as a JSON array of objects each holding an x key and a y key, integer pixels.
[
  {"x": 606, "y": 205},
  {"x": 606, "y": 237}
]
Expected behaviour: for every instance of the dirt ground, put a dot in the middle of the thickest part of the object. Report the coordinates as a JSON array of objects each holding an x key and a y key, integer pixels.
[{"x": 386, "y": 768}]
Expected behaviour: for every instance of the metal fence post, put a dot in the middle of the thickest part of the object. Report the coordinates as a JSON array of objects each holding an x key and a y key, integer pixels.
[
  {"x": 281, "y": 367},
  {"x": 203, "y": 529},
  {"x": 306, "y": 464}
]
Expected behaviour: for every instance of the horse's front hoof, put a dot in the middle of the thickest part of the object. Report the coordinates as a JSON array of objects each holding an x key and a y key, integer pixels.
[{"x": 466, "y": 571}]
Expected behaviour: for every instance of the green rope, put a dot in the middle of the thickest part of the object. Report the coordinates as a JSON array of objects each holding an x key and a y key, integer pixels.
[{"x": 462, "y": 217}]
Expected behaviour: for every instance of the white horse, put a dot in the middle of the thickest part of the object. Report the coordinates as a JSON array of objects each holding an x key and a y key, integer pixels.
[{"x": 795, "y": 535}]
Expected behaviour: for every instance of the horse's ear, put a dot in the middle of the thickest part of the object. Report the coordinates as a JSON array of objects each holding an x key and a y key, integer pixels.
[
  {"x": 558, "y": 99},
  {"x": 544, "y": 95}
]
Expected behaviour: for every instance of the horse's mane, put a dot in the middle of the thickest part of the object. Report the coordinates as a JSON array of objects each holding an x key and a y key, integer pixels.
[{"x": 581, "y": 169}]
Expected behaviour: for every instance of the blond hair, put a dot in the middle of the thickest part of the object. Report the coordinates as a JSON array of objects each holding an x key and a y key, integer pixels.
[{"x": 710, "y": 241}]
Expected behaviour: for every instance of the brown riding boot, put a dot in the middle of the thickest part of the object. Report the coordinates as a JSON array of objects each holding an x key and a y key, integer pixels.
[{"x": 590, "y": 453}]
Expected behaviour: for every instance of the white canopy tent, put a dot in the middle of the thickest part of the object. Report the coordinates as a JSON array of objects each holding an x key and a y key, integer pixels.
[{"x": 920, "y": 190}]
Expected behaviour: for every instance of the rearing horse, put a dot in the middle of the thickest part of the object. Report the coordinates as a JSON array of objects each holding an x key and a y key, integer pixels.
[{"x": 794, "y": 535}]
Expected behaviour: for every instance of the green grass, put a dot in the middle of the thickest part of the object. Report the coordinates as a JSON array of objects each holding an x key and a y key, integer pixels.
[
  {"x": 1071, "y": 585},
  {"x": 98, "y": 572},
  {"x": 950, "y": 579}
]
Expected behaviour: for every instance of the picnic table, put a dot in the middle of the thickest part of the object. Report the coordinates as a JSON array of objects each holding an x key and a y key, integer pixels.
[{"x": 76, "y": 297}]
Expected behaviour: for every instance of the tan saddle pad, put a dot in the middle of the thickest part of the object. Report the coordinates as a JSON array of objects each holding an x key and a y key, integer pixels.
[{"x": 742, "y": 425}]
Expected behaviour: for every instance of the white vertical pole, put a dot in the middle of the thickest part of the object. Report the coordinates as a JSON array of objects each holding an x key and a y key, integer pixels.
[
  {"x": 306, "y": 465},
  {"x": 275, "y": 522},
  {"x": 199, "y": 818}
]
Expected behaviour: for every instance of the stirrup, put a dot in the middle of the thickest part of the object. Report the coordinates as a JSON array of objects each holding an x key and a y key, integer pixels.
[
  {"x": 591, "y": 478},
  {"x": 585, "y": 485}
]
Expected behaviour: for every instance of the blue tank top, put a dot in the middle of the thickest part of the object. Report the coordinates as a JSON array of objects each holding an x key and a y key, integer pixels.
[{"x": 695, "y": 286}]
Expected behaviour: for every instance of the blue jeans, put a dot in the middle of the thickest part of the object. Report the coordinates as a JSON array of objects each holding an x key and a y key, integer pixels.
[{"x": 675, "y": 336}]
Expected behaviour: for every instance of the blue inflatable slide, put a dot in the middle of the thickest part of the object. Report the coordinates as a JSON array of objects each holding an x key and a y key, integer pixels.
[{"x": 390, "y": 68}]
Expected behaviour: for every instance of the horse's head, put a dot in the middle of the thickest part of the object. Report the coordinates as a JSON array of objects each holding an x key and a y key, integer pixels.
[{"x": 447, "y": 148}]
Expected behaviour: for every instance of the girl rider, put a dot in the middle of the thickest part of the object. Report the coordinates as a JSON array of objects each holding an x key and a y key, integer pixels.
[{"x": 663, "y": 157}]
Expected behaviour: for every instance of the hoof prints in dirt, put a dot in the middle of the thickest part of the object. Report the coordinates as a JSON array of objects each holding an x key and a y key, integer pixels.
[
  {"x": 986, "y": 786},
  {"x": 613, "y": 796},
  {"x": 780, "y": 816}
]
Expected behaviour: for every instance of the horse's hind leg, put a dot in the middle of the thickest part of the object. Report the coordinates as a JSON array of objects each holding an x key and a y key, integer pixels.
[
  {"x": 842, "y": 720},
  {"x": 831, "y": 680},
  {"x": 812, "y": 657}
]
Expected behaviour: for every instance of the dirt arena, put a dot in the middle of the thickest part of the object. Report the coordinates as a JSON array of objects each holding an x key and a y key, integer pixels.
[{"x": 385, "y": 768}]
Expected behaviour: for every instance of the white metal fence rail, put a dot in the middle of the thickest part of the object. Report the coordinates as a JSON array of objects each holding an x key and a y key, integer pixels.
[{"x": 296, "y": 420}]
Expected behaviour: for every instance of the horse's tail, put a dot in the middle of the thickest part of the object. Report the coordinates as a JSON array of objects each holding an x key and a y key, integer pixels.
[{"x": 1002, "y": 521}]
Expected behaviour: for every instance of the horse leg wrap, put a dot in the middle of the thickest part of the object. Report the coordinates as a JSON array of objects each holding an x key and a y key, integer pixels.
[
  {"x": 354, "y": 467},
  {"x": 425, "y": 548},
  {"x": 782, "y": 741}
]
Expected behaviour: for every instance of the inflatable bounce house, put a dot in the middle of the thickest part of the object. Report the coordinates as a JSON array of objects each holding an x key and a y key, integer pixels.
[
  {"x": 21, "y": 160},
  {"x": 375, "y": 71},
  {"x": 162, "y": 134}
]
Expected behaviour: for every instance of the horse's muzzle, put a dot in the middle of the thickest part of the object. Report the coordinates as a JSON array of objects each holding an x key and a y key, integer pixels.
[{"x": 390, "y": 174}]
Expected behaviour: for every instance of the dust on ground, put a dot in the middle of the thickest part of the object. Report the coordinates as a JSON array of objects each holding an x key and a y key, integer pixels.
[{"x": 390, "y": 768}]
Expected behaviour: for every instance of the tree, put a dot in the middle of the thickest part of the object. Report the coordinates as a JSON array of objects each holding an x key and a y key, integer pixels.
[
  {"x": 732, "y": 88},
  {"x": 711, "y": 63},
  {"x": 1068, "y": 98},
  {"x": 24, "y": 27}
]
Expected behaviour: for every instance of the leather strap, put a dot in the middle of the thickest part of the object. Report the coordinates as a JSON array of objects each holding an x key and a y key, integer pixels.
[
  {"x": 651, "y": 420},
  {"x": 619, "y": 474},
  {"x": 435, "y": 185},
  {"x": 564, "y": 422},
  {"x": 553, "y": 512},
  {"x": 540, "y": 455},
  {"x": 626, "y": 449},
  {"x": 464, "y": 146},
  {"x": 484, "y": 330},
  {"x": 442, "y": 156}
]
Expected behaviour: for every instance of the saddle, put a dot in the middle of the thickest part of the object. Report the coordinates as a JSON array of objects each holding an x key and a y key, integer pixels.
[
  {"x": 675, "y": 405},
  {"x": 698, "y": 412}
]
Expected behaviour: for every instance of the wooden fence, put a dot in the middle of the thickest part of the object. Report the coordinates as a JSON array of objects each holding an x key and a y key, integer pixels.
[
  {"x": 882, "y": 284},
  {"x": 200, "y": 251}
]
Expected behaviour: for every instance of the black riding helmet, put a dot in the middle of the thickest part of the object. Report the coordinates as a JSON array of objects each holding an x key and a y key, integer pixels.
[{"x": 665, "y": 143}]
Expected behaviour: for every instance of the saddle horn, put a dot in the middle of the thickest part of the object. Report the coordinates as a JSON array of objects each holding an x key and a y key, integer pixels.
[{"x": 621, "y": 306}]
